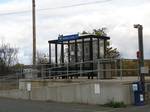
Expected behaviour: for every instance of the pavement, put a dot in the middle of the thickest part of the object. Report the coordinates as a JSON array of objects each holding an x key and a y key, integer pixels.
[{"x": 11, "y": 105}]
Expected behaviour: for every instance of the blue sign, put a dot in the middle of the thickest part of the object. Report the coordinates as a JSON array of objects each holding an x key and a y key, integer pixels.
[{"x": 68, "y": 37}]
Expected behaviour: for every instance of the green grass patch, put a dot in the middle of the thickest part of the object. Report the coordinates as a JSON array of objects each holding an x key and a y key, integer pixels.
[{"x": 115, "y": 104}]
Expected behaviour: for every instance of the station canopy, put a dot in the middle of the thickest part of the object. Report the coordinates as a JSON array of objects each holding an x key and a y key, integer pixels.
[{"x": 67, "y": 38}]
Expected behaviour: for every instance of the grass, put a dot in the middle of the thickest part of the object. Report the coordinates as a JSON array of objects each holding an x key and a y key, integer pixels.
[{"x": 114, "y": 104}]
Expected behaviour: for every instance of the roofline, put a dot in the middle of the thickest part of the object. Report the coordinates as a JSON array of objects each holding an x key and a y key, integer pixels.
[{"x": 84, "y": 36}]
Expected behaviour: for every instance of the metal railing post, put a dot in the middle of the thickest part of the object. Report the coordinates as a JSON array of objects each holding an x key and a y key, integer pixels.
[
  {"x": 121, "y": 74},
  {"x": 42, "y": 72},
  {"x": 116, "y": 68},
  {"x": 98, "y": 69},
  {"x": 67, "y": 71},
  {"x": 49, "y": 73},
  {"x": 81, "y": 69}
]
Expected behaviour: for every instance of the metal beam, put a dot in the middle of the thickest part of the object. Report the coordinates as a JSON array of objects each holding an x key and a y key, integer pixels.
[
  {"x": 83, "y": 49},
  {"x": 105, "y": 48},
  {"x": 104, "y": 65},
  {"x": 68, "y": 51},
  {"x": 91, "y": 49},
  {"x": 62, "y": 53},
  {"x": 91, "y": 55},
  {"x": 56, "y": 59},
  {"x": 98, "y": 49},
  {"x": 76, "y": 51},
  {"x": 50, "y": 54}
]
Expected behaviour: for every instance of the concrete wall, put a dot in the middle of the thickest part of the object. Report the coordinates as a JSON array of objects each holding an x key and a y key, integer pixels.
[
  {"x": 76, "y": 93},
  {"x": 15, "y": 94}
]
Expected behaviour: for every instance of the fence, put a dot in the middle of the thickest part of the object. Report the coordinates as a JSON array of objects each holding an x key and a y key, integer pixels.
[
  {"x": 98, "y": 69},
  {"x": 9, "y": 82},
  {"x": 9, "y": 78}
]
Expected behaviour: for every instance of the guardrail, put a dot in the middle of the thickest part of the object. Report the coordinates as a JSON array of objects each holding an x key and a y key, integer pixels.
[{"x": 100, "y": 68}]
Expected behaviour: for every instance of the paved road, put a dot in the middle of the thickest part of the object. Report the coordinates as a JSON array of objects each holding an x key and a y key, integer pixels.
[
  {"x": 145, "y": 108},
  {"x": 9, "y": 105}
]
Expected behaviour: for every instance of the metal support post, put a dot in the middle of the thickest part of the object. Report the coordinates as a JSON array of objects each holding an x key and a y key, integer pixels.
[
  {"x": 81, "y": 69},
  {"x": 62, "y": 53},
  {"x": 98, "y": 48},
  {"x": 68, "y": 51},
  {"x": 116, "y": 68},
  {"x": 121, "y": 74},
  {"x": 56, "y": 59},
  {"x": 104, "y": 65},
  {"x": 34, "y": 32},
  {"x": 141, "y": 55},
  {"x": 50, "y": 61},
  {"x": 67, "y": 70},
  {"x": 42, "y": 72},
  {"x": 98, "y": 69}
]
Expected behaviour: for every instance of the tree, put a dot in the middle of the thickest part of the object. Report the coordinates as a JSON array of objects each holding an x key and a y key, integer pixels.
[
  {"x": 99, "y": 32},
  {"x": 8, "y": 57},
  {"x": 42, "y": 64},
  {"x": 110, "y": 51},
  {"x": 41, "y": 58}
]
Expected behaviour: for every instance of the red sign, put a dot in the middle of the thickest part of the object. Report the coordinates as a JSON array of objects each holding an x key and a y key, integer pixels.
[{"x": 138, "y": 54}]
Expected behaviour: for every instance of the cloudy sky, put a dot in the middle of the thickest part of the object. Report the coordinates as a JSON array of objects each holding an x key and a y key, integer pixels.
[{"x": 56, "y": 17}]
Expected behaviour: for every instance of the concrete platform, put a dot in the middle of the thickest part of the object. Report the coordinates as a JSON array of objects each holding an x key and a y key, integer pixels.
[
  {"x": 36, "y": 83},
  {"x": 77, "y": 90}
]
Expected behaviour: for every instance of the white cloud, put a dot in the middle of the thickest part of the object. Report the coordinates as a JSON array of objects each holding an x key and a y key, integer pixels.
[{"x": 118, "y": 16}]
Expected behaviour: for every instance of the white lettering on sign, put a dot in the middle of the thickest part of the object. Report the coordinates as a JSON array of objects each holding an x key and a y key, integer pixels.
[
  {"x": 97, "y": 88},
  {"x": 28, "y": 86},
  {"x": 144, "y": 70},
  {"x": 135, "y": 87},
  {"x": 141, "y": 97}
]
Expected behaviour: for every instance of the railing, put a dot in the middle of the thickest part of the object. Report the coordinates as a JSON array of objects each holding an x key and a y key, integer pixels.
[
  {"x": 9, "y": 81},
  {"x": 100, "y": 68},
  {"x": 97, "y": 69}
]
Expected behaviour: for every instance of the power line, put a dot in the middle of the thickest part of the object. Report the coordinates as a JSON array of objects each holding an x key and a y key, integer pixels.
[
  {"x": 76, "y": 5},
  {"x": 54, "y": 8}
]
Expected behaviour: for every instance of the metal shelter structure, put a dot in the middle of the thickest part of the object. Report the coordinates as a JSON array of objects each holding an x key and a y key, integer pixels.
[
  {"x": 75, "y": 40},
  {"x": 77, "y": 48}
]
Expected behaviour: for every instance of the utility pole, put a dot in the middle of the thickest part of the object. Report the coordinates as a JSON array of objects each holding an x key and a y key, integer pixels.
[
  {"x": 141, "y": 55},
  {"x": 34, "y": 32}
]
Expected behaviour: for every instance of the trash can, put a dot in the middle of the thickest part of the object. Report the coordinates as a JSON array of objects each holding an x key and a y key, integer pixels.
[{"x": 138, "y": 93}]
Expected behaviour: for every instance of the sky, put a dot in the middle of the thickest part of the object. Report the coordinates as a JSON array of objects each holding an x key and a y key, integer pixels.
[{"x": 118, "y": 16}]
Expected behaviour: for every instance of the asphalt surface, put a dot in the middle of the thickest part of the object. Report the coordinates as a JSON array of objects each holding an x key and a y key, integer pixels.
[{"x": 11, "y": 105}]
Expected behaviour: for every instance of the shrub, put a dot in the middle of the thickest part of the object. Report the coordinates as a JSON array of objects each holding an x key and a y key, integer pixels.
[{"x": 115, "y": 104}]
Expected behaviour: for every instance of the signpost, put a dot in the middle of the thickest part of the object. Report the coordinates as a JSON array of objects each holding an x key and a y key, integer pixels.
[
  {"x": 140, "y": 56},
  {"x": 97, "y": 88},
  {"x": 29, "y": 87},
  {"x": 68, "y": 37},
  {"x": 144, "y": 70}
]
